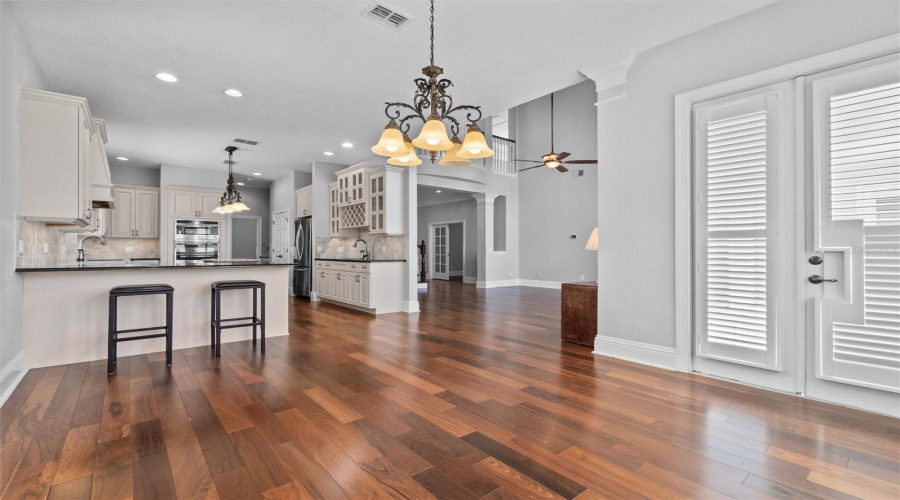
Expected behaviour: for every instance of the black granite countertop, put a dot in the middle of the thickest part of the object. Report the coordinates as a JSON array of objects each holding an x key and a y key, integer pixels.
[
  {"x": 138, "y": 264},
  {"x": 360, "y": 260}
]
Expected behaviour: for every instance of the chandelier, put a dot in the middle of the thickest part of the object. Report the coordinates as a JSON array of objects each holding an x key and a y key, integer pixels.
[
  {"x": 432, "y": 97},
  {"x": 230, "y": 202}
]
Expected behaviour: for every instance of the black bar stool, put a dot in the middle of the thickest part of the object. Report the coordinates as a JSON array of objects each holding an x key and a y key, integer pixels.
[
  {"x": 131, "y": 290},
  {"x": 257, "y": 320}
]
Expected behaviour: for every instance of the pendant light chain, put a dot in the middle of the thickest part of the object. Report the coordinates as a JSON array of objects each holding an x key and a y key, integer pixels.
[{"x": 432, "y": 32}]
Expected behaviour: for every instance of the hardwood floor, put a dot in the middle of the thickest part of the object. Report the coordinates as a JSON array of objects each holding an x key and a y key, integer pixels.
[{"x": 475, "y": 397}]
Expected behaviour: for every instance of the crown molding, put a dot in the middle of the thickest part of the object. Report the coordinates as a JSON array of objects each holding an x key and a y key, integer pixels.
[{"x": 610, "y": 73}]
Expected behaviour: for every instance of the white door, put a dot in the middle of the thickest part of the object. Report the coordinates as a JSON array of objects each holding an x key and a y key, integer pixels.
[
  {"x": 281, "y": 237},
  {"x": 743, "y": 320},
  {"x": 440, "y": 267},
  {"x": 853, "y": 235}
]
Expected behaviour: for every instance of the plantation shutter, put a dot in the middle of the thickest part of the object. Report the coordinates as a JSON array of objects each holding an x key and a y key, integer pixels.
[
  {"x": 735, "y": 156},
  {"x": 858, "y": 141}
]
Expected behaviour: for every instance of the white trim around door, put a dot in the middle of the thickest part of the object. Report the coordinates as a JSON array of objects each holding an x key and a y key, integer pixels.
[{"x": 429, "y": 257}]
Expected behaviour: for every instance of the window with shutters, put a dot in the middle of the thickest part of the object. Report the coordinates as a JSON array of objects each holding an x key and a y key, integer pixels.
[
  {"x": 735, "y": 158},
  {"x": 858, "y": 143}
]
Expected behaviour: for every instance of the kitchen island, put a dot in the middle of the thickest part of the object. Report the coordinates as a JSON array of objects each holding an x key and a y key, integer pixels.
[{"x": 66, "y": 307}]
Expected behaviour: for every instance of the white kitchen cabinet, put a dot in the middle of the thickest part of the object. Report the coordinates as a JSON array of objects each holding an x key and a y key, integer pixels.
[
  {"x": 334, "y": 211},
  {"x": 386, "y": 194},
  {"x": 352, "y": 184},
  {"x": 190, "y": 203},
  {"x": 56, "y": 158},
  {"x": 304, "y": 201},
  {"x": 362, "y": 281},
  {"x": 136, "y": 214},
  {"x": 377, "y": 287}
]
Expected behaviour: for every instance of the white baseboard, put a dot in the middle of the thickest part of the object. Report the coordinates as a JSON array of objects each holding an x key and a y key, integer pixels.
[
  {"x": 496, "y": 283},
  {"x": 11, "y": 375},
  {"x": 541, "y": 284},
  {"x": 411, "y": 306},
  {"x": 470, "y": 279},
  {"x": 313, "y": 297},
  {"x": 639, "y": 352},
  {"x": 422, "y": 286}
]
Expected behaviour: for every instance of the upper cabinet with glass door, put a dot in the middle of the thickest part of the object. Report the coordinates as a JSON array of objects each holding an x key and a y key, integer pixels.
[{"x": 387, "y": 213}]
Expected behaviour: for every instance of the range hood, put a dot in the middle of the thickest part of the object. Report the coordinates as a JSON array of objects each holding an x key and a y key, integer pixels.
[{"x": 102, "y": 189}]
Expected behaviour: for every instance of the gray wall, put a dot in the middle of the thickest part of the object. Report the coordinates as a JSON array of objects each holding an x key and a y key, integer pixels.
[
  {"x": 134, "y": 176},
  {"x": 175, "y": 175},
  {"x": 455, "y": 246},
  {"x": 17, "y": 69},
  {"x": 554, "y": 206},
  {"x": 447, "y": 212},
  {"x": 636, "y": 182}
]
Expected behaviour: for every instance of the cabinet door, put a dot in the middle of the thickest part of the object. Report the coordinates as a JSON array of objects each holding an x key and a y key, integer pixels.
[
  {"x": 182, "y": 204},
  {"x": 206, "y": 203},
  {"x": 334, "y": 291},
  {"x": 320, "y": 283},
  {"x": 123, "y": 215},
  {"x": 364, "y": 290},
  {"x": 353, "y": 297},
  {"x": 146, "y": 214},
  {"x": 346, "y": 280}
]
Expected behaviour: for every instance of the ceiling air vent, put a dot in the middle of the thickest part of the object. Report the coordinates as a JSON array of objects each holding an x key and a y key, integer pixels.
[
  {"x": 246, "y": 141},
  {"x": 387, "y": 16}
]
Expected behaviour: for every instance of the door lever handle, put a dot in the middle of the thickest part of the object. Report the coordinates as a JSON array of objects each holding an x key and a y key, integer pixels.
[{"x": 815, "y": 279}]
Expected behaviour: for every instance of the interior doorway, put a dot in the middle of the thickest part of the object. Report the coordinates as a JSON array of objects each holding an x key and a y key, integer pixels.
[{"x": 447, "y": 249}]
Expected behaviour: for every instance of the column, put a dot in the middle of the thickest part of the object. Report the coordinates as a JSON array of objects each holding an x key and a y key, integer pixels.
[{"x": 484, "y": 215}]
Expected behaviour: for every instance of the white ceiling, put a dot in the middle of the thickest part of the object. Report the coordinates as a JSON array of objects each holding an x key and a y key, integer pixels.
[
  {"x": 428, "y": 195},
  {"x": 316, "y": 73}
]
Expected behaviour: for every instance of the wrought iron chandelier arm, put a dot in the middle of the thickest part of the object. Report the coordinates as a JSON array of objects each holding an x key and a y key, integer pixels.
[
  {"x": 469, "y": 114},
  {"x": 395, "y": 114}
]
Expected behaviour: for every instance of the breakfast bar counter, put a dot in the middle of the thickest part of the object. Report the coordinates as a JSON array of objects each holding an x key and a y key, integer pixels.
[{"x": 66, "y": 307}]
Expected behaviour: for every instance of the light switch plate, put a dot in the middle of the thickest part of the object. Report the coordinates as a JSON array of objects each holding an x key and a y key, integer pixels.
[
  {"x": 383, "y": 250},
  {"x": 129, "y": 249},
  {"x": 319, "y": 249},
  {"x": 340, "y": 249},
  {"x": 581, "y": 277},
  {"x": 21, "y": 247},
  {"x": 46, "y": 247}
]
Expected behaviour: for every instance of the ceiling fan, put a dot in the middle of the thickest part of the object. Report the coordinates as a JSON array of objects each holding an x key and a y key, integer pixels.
[{"x": 555, "y": 160}]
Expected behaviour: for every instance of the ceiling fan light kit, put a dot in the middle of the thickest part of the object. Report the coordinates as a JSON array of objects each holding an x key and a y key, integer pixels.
[
  {"x": 553, "y": 160},
  {"x": 433, "y": 100}
]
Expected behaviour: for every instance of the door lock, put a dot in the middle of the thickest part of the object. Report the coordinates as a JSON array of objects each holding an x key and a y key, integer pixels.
[
  {"x": 816, "y": 260},
  {"x": 815, "y": 279}
]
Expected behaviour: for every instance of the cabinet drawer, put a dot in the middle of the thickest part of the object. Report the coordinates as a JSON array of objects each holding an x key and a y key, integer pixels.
[{"x": 320, "y": 265}]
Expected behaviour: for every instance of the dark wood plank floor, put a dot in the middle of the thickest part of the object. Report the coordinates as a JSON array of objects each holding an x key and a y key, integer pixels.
[{"x": 475, "y": 397}]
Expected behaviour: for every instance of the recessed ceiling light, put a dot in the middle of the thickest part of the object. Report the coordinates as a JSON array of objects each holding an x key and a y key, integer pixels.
[
  {"x": 328, "y": 153},
  {"x": 121, "y": 158},
  {"x": 239, "y": 183},
  {"x": 166, "y": 77},
  {"x": 249, "y": 179},
  {"x": 257, "y": 174},
  {"x": 234, "y": 93},
  {"x": 438, "y": 191},
  {"x": 347, "y": 144}
]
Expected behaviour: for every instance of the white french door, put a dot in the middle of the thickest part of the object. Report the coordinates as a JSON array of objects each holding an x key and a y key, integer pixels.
[
  {"x": 854, "y": 235},
  {"x": 440, "y": 266},
  {"x": 797, "y": 236},
  {"x": 742, "y": 158}
]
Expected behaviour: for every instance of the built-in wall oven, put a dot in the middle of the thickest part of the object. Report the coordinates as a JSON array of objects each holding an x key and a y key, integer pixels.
[{"x": 195, "y": 240}]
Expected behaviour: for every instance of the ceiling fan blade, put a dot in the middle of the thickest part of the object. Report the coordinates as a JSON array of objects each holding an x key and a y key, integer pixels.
[
  {"x": 561, "y": 169},
  {"x": 581, "y": 162},
  {"x": 562, "y": 156},
  {"x": 532, "y": 161},
  {"x": 529, "y": 168}
]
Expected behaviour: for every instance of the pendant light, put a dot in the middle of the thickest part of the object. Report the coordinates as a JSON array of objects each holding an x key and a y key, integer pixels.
[
  {"x": 408, "y": 160},
  {"x": 474, "y": 145},
  {"x": 230, "y": 202},
  {"x": 431, "y": 95},
  {"x": 451, "y": 159}
]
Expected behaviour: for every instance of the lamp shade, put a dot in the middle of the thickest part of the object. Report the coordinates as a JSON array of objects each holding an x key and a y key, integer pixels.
[
  {"x": 592, "y": 240},
  {"x": 433, "y": 136},
  {"x": 407, "y": 160},
  {"x": 391, "y": 142},
  {"x": 475, "y": 145},
  {"x": 239, "y": 206},
  {"x": 450, "y": 158}
]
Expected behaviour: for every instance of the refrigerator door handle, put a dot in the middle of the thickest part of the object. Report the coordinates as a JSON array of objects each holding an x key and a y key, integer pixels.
[{"x": 297, "y": 250}]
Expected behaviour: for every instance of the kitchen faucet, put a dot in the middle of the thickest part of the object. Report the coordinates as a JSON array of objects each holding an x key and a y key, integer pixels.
[
  {"x": 365, "y": 251},
  {"x": 80, "y": 257}
]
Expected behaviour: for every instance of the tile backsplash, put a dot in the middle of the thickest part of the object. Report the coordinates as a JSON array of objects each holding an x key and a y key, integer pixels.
[
  {"x": 394, "y": 246},
  {"x": 62, "y": 247}
]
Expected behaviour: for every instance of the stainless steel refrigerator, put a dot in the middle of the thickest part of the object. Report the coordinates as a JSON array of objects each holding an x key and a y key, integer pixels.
[{"x": 303, "y": 256}]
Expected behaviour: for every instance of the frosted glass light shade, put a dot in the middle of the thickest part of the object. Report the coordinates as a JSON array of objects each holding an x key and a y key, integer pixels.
[
  {"x": 592, "y": 240},
  {"x": 475, "y": 145},
  {"x": 408, "y": 160},
  {"x": 391, "y": 142},
  {"x": 450, "y": 158},
  {"x": 239, "y": 206},
  {"x": 220, "y": 210},
  {"x": 433, "y": 137}
]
